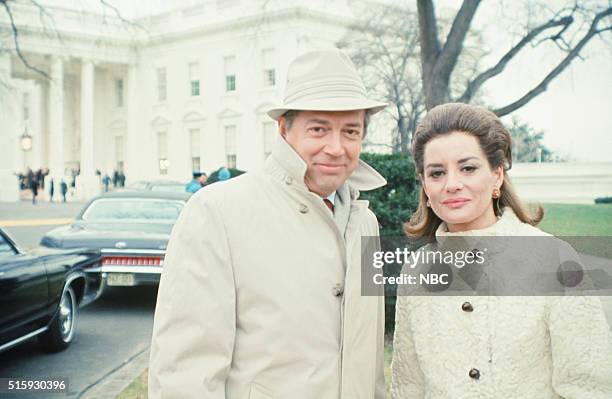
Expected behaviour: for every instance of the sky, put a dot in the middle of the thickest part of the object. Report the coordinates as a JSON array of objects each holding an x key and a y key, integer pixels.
[{"x": 575, "y": 111}]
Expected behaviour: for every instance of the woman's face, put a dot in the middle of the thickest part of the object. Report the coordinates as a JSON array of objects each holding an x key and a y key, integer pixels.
[{"x": 459, "y": 181}]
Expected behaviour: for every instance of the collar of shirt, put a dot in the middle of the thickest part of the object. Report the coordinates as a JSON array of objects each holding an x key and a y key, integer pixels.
[{"x": 332, "y": 198}]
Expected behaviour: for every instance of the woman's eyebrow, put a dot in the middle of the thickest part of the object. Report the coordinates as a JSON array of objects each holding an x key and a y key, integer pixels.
[{"x": 439, "y": 165}]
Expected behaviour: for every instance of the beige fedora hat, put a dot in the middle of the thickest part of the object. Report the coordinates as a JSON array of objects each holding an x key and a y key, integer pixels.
[{"x": 324, "y": 80}]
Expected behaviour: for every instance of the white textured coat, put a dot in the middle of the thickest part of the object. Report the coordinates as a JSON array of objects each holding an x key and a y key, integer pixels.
[
  {"x": 522, "y": 347},
  {"x": 260, "y": 294}
]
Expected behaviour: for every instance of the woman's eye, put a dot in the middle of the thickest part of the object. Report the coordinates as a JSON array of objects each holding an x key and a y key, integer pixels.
[
  {"x": 436, "y": 173},
  {"x": 469, "y": 168}
]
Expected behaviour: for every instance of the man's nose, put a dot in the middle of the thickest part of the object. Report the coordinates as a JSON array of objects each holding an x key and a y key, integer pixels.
[
  {"x": 334, "y": 146},
  {"x": 453, "y": 181}
]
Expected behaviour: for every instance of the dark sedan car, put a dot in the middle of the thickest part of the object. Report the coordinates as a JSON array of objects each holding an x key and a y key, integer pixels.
[
  {"x": 40, "y": 291},
  {"x": 131, "y": 229}
]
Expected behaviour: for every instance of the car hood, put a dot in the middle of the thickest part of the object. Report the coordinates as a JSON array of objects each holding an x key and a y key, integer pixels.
[{"x": 110, "y": 235}]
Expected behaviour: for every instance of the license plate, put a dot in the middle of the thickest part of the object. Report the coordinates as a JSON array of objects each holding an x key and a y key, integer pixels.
[{"x": 120, "y": 279}]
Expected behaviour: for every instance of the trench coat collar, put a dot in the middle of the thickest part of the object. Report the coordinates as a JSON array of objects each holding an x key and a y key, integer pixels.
[{"x": 285, "y": 164}]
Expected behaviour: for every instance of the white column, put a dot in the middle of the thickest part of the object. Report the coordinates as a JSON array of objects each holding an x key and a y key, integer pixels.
[
  {"x": 88, "y": 184},
  {"x": 10, "y": 162},
  {"x": 133, "y": 153},
  {"x": 56, "y": 123}
]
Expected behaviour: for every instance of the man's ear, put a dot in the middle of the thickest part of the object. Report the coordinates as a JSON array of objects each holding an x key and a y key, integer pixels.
[{"x": 282, "y": 127}]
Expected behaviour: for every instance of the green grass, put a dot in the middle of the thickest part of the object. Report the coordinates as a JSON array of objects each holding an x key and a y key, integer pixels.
[
  {"x": 577, "y": 220},
  {"x": 582, "y": 222},
  {"x": 137, "y": 389}
]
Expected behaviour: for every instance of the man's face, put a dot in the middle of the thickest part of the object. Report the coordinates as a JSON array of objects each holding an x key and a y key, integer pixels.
[{"x": 329, "y": 142}]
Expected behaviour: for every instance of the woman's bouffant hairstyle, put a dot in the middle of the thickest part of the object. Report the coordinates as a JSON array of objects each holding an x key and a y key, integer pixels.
[{"x": 496, "y": 143}]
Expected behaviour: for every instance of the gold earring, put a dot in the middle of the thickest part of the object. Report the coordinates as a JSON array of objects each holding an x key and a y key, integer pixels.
[{"x": 496, "y": 193}]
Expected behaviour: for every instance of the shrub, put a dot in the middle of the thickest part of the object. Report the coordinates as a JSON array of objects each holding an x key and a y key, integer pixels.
[
  {"x": 392, "y": 204},
  {"x": 603, "y": 200}
]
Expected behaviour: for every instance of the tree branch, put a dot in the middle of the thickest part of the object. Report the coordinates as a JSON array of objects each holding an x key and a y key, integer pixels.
[
  {"x": 498, "y": 68},
  {"x": 16, "y": 41},
  {"x": 428, "y": 34},
  {"x": 454, "y": 41},
  {"x": 543, "y": 85}
]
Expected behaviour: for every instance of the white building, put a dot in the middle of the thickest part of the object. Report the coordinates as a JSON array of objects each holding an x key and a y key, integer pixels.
[{"x": 158, "y": 96}]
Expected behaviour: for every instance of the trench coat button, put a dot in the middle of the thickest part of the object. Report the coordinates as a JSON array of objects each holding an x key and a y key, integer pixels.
[
  {"x": 474, "y": 374},
  {"x": 337, "y": 290},
  {"x": 303, "y": 208},
  {"x": 467, "y": 307},
  {"x": 288, "y": 180}
]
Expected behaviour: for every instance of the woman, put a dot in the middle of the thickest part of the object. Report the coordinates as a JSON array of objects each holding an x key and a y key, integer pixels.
[{"x": 488, "y": 346}]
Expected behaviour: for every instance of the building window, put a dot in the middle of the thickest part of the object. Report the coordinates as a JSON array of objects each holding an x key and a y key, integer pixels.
[
  {"x": 162, "y": 152},
  {"x": 194, "y": 137},
  {"x": 161, "y": 84},
  {"x": 269, "y": 72},
  {"x": 26, "y": 106},
  {"x": 270, "y": 135},
  {"x": 194, "y": 79},
  {"x": 119, "y": 92},
  {"x": 230, "y": 73},
  {"x": 230, "y": 146}
]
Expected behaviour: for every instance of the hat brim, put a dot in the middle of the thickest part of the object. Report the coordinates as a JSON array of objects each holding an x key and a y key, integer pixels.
[{"x": 335, "y": 104}]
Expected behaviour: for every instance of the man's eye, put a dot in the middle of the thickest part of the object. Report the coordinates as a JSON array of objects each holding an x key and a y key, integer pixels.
[
  {"x": 317, "y": 129},
  {"x": 353, "y": 132}
]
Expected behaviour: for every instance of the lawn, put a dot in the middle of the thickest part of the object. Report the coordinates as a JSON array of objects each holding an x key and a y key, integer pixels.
[
  {"x": 577, "y": 220},
  {"x": 581, "y": 223}
]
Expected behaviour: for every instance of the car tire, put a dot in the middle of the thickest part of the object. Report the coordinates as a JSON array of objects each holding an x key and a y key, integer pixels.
[{"x": 60, "y": 333}]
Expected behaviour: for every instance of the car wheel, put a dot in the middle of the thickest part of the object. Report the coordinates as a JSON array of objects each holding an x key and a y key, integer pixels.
[{"x": 61, "y": 330}]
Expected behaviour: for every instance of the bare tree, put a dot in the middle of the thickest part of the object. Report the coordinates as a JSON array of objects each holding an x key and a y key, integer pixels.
[
  {"x": 47, "y": 21},
  {"x": 439, "y": 60},
  {"x": 384, "y": 45}
]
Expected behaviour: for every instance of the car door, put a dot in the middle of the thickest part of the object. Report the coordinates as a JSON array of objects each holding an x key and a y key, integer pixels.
[{"x": 23, "y": 288}]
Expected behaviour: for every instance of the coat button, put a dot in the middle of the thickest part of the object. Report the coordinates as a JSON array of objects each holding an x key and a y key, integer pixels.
[
  {"x": 467, "y": 307},
  {"x": 288, "y": 180},
  {"x": 474, "y": 374},
  {"x": 337, "y": 290},
  {"x": 303, "y": 208}
]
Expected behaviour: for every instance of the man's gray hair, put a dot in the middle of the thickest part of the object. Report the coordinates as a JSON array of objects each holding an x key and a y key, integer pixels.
[{"x": 292, "y": 113}]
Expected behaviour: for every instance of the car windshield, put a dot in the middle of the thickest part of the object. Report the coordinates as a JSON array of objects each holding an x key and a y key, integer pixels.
[
  {"x": 133, "y": 209},
  {"x": 173, "y": 188}
]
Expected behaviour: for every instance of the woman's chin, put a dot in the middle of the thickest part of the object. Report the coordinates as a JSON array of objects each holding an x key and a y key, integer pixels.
[{"x": 457, "y": 216}]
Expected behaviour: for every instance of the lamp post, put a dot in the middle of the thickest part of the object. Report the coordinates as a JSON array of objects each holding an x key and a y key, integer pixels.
[{"x": 26, "y": 141}]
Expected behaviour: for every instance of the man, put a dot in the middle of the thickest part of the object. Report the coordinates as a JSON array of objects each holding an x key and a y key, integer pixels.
[
  {"x": 260, "y": 295},
  {"x": 198, "y": 181}
]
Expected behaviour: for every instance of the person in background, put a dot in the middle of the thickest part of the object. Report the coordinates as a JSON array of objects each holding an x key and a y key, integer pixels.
[
  {"x": 223, "y": 174},
  {"x": 34, "y": 188},
  {"x": 198, "y": 181},
  {"x": 51, "y": 190},
  {"x": 106, "y": 182},
  {"x": 63, "y": 190}
]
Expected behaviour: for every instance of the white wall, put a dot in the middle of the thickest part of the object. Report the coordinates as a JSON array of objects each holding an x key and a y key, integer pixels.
[{"x": 578, "y": 183}]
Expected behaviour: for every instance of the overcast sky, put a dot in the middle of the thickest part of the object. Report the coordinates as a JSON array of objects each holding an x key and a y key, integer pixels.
[{"x": 575, "y": 112}]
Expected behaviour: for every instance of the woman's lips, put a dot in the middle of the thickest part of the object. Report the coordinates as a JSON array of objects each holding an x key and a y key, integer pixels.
[{"x": 456, "y": 203}]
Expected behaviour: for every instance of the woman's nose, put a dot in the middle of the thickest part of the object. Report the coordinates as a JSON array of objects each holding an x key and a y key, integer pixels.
[{"x": 453, "y": 182}]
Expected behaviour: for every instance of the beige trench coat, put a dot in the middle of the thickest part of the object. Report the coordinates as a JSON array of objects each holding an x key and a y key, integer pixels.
[{"x": 260, "y": 295}]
